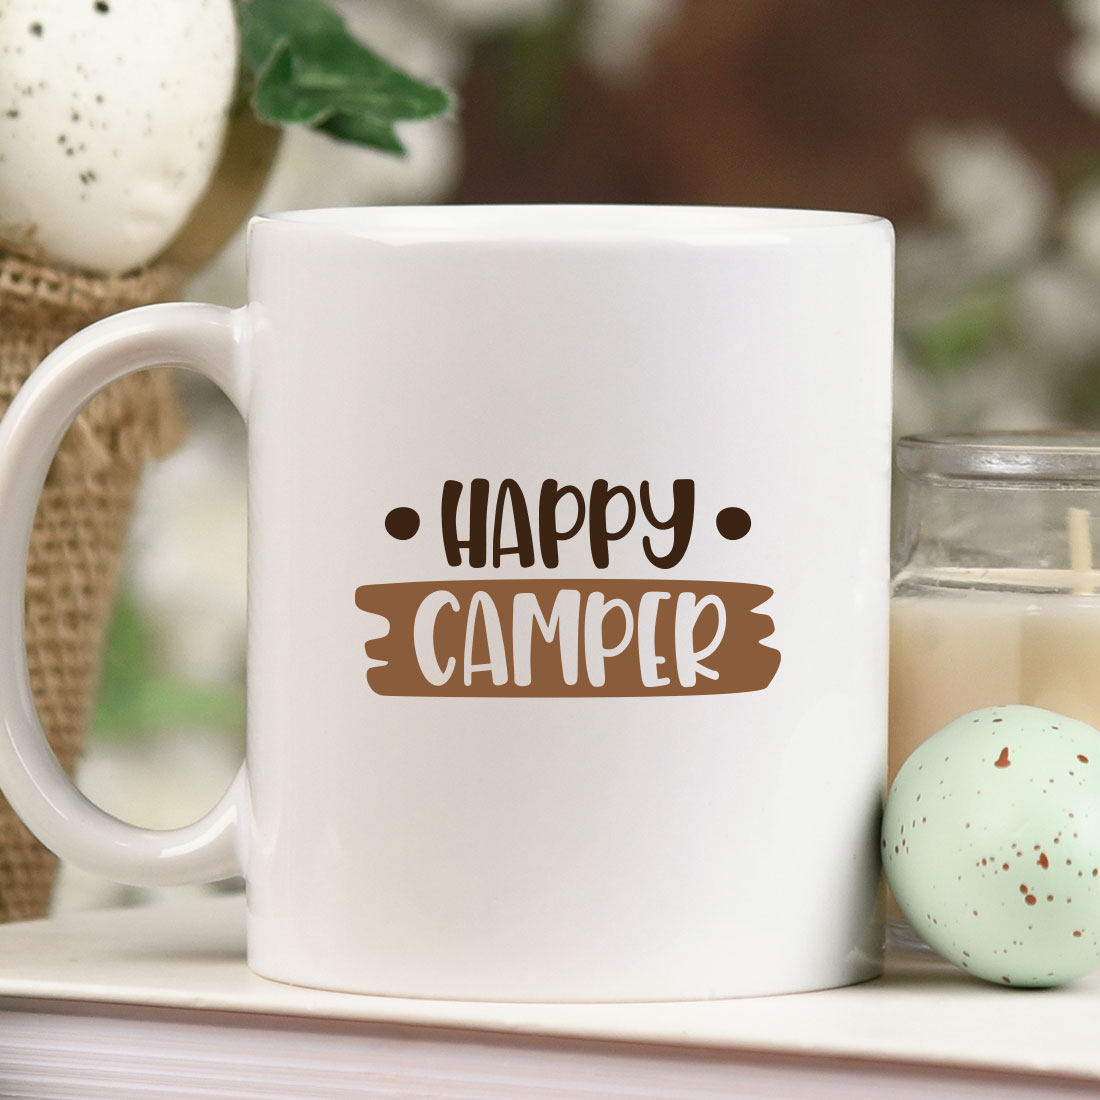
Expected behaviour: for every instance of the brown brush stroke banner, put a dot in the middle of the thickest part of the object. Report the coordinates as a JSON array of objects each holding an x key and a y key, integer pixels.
[{"x": 558, "y": 638}]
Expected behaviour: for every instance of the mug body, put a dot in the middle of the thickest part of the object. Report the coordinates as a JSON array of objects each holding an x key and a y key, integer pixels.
[{"x": 567, "y": 600}]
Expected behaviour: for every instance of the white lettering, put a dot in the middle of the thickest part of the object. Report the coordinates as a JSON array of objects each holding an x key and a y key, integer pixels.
[
  {"x": 688, "y": 658},
  {"x": 498, "y": 659},
  {"x": 595, "y": 652},
  {"x": 647, "y": 639},
  {"x": 564, "y": 621},
  {"x": 424, "y": 637}
]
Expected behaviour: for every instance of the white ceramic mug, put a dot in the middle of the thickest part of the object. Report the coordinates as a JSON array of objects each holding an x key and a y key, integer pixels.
[{"x": 529, "y": 488}]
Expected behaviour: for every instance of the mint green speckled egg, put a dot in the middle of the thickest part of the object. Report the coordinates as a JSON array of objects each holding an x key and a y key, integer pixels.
[{"x": 991, "y": 845}]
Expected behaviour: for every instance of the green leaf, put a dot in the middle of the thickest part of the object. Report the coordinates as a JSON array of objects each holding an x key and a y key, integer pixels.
[
  {"x": 533, "y": 63},
  {"x": 955, "y": 339},
  {"x": 136, "y": 698},
  {"x": 308, "y": 70}
]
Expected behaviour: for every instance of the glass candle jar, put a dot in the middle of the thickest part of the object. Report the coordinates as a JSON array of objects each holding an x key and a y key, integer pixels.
[{"x": 995, "y": 598}]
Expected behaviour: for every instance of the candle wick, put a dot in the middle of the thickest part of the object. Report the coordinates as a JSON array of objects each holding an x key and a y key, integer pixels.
[{"x": 1080, "y": 549}]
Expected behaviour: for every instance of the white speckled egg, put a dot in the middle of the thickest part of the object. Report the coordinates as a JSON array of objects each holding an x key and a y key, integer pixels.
[
  {"x": 991, "y": 845},
  {"x": 112, "y": 114}
]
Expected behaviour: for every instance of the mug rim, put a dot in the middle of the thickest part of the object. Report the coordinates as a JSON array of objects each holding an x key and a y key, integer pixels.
[{"x": 697, "y": 224}]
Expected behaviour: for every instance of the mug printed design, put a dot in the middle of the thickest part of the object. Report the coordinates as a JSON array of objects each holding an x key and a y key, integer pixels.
[{"x": 569, "y": 637}]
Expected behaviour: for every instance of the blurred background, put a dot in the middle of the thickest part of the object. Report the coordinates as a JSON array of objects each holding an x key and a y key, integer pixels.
[{"x": 972, "y": 126}]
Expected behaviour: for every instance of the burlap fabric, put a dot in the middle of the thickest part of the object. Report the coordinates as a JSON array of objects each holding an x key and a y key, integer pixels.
[{"x": 81, "y": 525}]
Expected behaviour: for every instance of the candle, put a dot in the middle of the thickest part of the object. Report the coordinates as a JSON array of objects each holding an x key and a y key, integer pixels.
[
  {"x": 995, "y": 599},
  {"x": 953, "y": 650}
]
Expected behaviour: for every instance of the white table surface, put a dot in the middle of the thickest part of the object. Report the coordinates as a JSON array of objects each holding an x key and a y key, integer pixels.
[{"x": 191, "y": 956}]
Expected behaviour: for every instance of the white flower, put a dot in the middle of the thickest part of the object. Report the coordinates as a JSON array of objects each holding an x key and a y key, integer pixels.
[
  {"x": 1081, "y": 229},
  {"x": 618, "y": 34},
  {"x": 1055, "y": 312},
  {"x": 934, "y": 267},
  {"x": 1081, "y": 70},
  {"x": 1003, "y": 392},
  {"x": 1085, "y": 13},
  {"x": 410, "y": 35},
  {"x": 479, "y": 16},
  {"x": 989, "y": 193},
  {"x": 1081, "y": 64},
  {"x": 188, "y": 554}
]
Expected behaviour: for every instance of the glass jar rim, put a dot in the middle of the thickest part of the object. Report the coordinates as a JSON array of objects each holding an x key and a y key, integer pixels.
[{"x": 1065, "y": 455}]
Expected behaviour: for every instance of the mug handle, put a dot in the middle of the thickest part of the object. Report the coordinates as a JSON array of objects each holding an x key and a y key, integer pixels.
[{"x": 211, "y": 340}]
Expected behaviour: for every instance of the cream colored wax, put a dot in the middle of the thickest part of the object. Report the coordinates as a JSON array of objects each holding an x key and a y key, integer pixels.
[{"x": 953, "y": 651}]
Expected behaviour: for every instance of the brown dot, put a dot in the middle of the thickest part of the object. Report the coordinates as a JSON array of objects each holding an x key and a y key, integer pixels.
[
  {"x": 1031, "y": 899},
  {"x": 1004, "y": 866},
  {"x": 733, "y": 523},
  {"x": 402, "y": 523},
  {"x": 1050, "y": 897},
  {"x": 1023, "y": 888},
  {"x": 1043, "y": 861},
  {"x": 1083, "y": 759},
  {"x": 1077, "y": 934}
]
